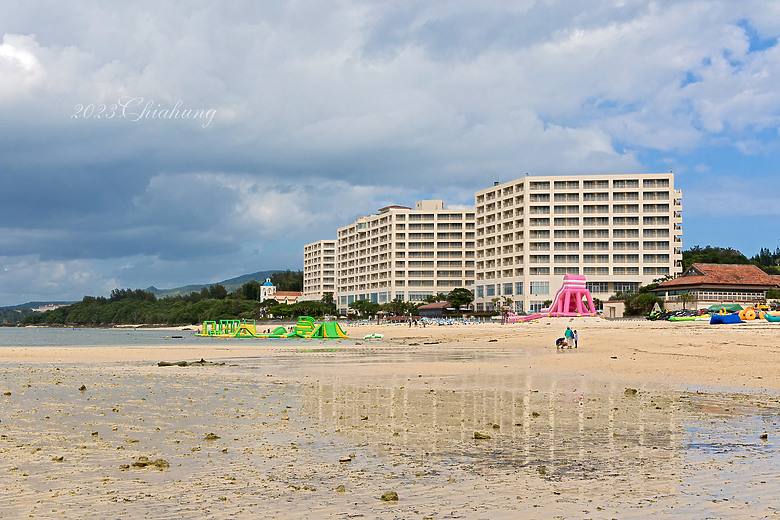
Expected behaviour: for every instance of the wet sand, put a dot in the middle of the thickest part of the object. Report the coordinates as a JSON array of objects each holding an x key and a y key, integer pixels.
[{"x": 678, "y": 424}]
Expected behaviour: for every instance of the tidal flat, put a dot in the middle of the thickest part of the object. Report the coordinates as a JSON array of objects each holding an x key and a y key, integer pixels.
[{"x": 456, "y": 431}]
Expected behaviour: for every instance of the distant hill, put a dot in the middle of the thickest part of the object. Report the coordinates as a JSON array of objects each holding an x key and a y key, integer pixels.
[
  {"x": 14, "y": 313},
  {"x": 35, "y": 305},
  {"x": 231, "y": 284}
]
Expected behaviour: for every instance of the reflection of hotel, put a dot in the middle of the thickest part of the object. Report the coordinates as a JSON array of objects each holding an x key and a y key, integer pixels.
[
  {"x": 531, "y": 420},
  {"x": 522, "y": 237}
]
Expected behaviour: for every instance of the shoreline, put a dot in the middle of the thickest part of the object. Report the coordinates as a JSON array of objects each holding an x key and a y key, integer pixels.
[{"x": 680, "y": 354}]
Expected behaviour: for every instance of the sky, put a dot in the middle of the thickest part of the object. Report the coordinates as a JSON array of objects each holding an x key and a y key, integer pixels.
[{"x": 166, "y": 143}]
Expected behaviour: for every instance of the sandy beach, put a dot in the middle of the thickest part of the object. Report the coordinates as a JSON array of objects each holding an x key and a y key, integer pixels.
[{"x": 642, "y": 418}]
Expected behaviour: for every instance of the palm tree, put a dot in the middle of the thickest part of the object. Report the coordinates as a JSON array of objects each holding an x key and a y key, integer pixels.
[{"x": 685, "y": 297}]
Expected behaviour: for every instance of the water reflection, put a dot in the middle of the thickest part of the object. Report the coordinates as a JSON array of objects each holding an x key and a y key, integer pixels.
[{"x": 560, "y": 428}]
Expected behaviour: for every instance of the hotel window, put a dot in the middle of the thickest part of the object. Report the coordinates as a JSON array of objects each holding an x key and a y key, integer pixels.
[
  {"x": 655, "y": 183},
  {"x": 539, "y": 259},
  {"x": 540, "y": 287},
  {"x": 629, "y": 195},
  {"x": 518, "y": 288},
  {"x": 626, "y": 286},
  {"x": 480, "y": 291},
  {"x": 566, "y": 259},
  {"x": 508, "y": 289},
  {"x": 597, "y": 287},
  {"x": 490, "y": 290},
  {"x": 655, "y": 220}
]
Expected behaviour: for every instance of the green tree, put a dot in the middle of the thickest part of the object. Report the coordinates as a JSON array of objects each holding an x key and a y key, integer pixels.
[
  {"x": 280, "y": 310},
  {"x": 251, "y": 290},
  {"x": 329, "y": 303},
  {"x": 641, "y": 303},
  {"x": 460, "y": 297},
  {"x": 364, "y": 307},
  {"x": 712, "y": 255},
  {"x": 685, "y": 298},
  {"x": 217, "y": 292},
  {"x": 288, "y": 280},
  {"x": 396, "y": 307}
]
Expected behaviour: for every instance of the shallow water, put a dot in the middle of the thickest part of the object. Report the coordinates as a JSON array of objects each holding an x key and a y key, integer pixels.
[
  {"x": 559, "y": 446},
  {"x": 95, "y": 337}
]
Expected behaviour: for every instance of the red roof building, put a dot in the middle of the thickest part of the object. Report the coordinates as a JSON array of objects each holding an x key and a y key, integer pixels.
[
  {"x": 719, "y": 283},
  {"x": 288, "y": 297},
  {"x": 433, "y": 310}
]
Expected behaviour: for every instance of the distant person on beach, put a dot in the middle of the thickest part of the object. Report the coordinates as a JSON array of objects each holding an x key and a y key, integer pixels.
[
  {"x": 576, "y": 338},
  {"x": 560, "y": 343},
  {"x": 569, "y": 335}
]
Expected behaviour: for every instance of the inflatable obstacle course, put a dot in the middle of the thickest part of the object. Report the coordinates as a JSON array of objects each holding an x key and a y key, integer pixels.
[
  {"x": 568, "y": 301},
  {"x": 305, "y": 328}
]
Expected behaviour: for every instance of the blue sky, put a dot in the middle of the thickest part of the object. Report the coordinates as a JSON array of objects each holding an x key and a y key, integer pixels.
[{"x": 305, "y": 115}]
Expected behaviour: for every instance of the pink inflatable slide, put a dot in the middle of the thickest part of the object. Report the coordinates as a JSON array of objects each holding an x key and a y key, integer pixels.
[{"x": 567, "y": 302}]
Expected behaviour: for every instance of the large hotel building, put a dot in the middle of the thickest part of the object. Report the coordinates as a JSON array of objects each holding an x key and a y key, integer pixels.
[
  {"x": 319, "y": 270},
  {"x": 515, "y": 246}
]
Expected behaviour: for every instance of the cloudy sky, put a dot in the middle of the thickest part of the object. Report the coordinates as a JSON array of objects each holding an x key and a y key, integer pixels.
[{"x": 294, "y": 118}]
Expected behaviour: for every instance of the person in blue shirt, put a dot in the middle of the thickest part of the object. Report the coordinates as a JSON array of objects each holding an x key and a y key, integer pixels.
[{"x": 569, "y": 335}]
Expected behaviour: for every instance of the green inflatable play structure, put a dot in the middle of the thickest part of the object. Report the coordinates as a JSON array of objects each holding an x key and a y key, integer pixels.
[{"x": 305, "y": 328}]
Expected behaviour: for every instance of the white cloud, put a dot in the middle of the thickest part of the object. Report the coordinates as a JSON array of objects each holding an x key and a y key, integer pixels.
[
  {"x": 20, "y": 69},
  {"x": 27, "y": 278}
]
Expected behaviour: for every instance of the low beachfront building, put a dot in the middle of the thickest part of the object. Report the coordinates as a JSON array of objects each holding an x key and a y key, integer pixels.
[
  {"x": 713, "y": 284},
  {"x": 268, "y": 292},
  {"x": 434, "y": 310}
]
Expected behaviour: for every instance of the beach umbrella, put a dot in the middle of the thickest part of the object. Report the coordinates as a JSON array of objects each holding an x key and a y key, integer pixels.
[{"x": 731, "y": 307}]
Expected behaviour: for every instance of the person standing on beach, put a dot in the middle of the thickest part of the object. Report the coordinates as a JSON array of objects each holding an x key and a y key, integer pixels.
[
  {"x": 569, "y": 335},
  {"x": 576, "y": 337}
]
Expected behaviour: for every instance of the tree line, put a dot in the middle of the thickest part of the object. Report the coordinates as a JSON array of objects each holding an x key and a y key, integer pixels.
[
  {"x": 766, "y": 260},
  {"x": 139, "y": 307},
  {"x": 213, "y": 303}
]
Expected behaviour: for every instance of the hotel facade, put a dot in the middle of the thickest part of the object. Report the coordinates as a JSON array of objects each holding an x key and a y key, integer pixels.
[
  {"x": 319, "y": 270},
  {"x": 620, "y": 231},
  {"x": 515, "y": 246}
]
